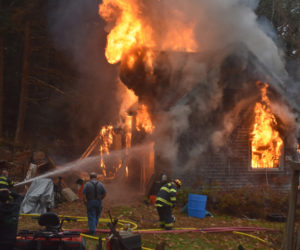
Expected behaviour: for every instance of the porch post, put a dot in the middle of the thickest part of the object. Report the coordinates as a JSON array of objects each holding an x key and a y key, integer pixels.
[{"x": 290, "y": 228}]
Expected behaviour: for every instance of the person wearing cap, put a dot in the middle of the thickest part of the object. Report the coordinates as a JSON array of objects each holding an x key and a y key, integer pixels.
[
  {"x": 93, "y": 194},
  {"x": 165, "y": 201}
]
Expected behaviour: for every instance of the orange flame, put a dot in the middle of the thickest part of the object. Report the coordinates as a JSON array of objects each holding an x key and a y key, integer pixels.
[
  {"x": 266, "y": 143},
  {"x": 130, "y": 29},
  {"x": 128, "y": 131},
  {"x": 143, "y": 120},
  {"x": 106, "y": 135}
]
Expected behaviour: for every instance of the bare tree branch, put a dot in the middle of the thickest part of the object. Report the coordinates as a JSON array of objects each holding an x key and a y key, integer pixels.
[{"x": 46, "y": 84}]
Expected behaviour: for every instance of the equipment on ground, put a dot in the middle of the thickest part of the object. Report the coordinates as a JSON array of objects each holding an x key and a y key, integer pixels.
[
  {"x": 123, "y": 240},
  {"x": 50, "y": 238}
]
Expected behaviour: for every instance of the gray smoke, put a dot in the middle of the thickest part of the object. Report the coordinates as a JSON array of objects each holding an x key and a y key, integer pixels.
[
  {"x": 220, "y": 27},
  {"x": 79, "y": 33},
  {"x": 219, "y": 24}
]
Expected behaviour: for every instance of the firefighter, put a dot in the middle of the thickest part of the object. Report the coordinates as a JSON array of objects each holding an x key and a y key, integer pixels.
[
  {"x": 5, "y": 181},
  {"x": 9, "y": 216},
  {"x": 165, "y": 201}
]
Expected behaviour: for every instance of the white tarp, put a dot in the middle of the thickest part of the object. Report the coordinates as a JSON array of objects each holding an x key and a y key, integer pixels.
[
  {"x": 39, "y": 197},
  {"x": 31, "y": 171}
]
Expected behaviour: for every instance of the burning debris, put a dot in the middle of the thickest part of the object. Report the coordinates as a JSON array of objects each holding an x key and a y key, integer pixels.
[
  {"x": 106, "y": 137},
  {"x": 121, "y": 139}
]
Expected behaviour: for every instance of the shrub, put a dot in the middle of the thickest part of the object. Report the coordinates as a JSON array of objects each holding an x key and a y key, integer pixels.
[{"x": 251, "y": 202}]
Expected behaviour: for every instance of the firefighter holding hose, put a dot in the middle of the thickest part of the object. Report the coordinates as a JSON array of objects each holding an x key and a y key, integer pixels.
[
  {"x": 5, "y": 181},
  {"x": 165, "y": 201}
]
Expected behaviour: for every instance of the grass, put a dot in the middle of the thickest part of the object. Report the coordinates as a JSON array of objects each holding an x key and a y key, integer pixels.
[
  {"x": 146, "y": 217},
  {"x": 206, "y": 241}
]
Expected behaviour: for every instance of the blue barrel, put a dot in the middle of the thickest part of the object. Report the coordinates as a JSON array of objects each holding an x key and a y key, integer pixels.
[{"x": 197, "y": 205}]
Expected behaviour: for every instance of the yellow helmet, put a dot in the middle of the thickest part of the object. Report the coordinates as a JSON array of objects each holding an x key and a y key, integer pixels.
[{"x": 177, "y": 183}]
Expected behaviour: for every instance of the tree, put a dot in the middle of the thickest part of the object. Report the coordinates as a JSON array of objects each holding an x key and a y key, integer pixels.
[
  {"x": 1, "y": 79},
  {"x": 24, "y": 85},
  {"x": 285, "y": 16},
  {"x": 1, "y": 73}
]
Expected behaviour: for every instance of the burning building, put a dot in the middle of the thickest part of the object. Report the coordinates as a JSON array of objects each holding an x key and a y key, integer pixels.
[
  {"x": 242, "y": 140},
  {"x": 245, "y": 140},
  {"x": 212, "y": 110}
]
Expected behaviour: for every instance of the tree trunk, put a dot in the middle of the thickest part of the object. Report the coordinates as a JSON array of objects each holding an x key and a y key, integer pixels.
[
  {"x": 298, "y": 46},
  {"x": 1, "y": 77},
  {"x": 24, "y": 86},
  {"x": 1, "y": 82}
]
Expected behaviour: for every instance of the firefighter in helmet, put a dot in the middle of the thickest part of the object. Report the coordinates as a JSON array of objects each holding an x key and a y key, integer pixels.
[
  {"x": 5, "y": 181},
  {"x": 165, "y": 201}
]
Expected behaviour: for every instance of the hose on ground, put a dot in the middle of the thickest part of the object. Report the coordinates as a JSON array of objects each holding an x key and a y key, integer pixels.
[
  {"x": 236, "y": 230},
  {"x": 251, "y": 236},
  {"x": 121, "y": 222}
]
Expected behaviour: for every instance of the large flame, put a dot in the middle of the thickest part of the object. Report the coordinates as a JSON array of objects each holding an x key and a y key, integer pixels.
[
  {"x": 130, "y": 28},
  {"x": 143, "y": 120},
  {"x": 133, "y": 37},
  {"x": 266, "y": 143}
]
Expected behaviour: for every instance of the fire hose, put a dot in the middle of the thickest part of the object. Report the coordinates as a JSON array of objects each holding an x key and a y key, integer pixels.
[
  {"x": 235, "y": 230},
  {"x": 186, "y": 230},
  {"x": 133, "y": 225},
  {"x": 251, "y": 236}
]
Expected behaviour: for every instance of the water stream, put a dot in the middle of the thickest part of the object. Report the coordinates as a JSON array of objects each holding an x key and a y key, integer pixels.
[{"x": 87, "y": 162}]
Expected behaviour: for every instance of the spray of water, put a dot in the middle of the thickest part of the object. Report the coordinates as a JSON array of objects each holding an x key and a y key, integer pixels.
[{"x": 89, "y": 162}]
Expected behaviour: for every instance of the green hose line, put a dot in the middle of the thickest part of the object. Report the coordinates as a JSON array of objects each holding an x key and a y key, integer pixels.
[
  {"x": 82, "y": 219},
  {"x": 90, "y": 237},
  {"x": 30, "y": 215}
]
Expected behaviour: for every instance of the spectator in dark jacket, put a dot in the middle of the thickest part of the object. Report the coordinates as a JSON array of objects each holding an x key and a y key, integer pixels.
[
  {"x": 93, "y": 194},
  {"x": 9, "y": 216}
]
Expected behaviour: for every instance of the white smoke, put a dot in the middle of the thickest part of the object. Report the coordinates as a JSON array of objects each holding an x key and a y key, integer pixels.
[
  {"x": 220, "y": 24},
  {"x": 288, "y": 120}
]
